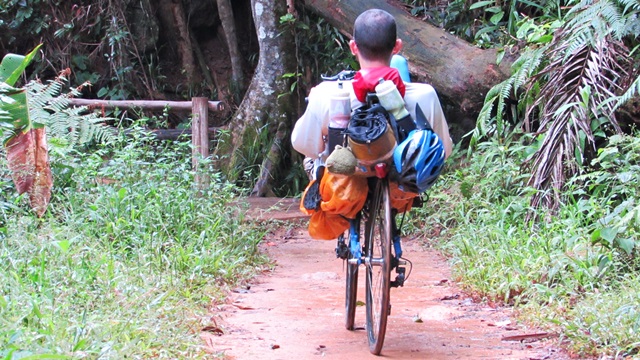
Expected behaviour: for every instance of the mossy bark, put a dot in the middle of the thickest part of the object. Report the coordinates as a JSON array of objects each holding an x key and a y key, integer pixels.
[{"x": 263, "y": 121}]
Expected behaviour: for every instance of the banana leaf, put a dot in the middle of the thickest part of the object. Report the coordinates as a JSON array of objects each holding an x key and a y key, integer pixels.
[{"x": 27, "y": 150}]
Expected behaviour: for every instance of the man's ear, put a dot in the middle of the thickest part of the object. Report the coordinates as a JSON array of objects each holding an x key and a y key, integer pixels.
[
  {"x": 397, "y": 47},
  {"x": 353, "y": 47}
]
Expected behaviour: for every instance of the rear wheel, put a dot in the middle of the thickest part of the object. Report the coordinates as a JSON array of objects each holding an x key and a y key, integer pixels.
[
  {"x": 351, "y": 284},
  {"x": 378, "y": 265}
]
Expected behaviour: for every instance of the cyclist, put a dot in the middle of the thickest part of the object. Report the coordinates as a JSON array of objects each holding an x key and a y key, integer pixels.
[{"x": 374, "y": 43}]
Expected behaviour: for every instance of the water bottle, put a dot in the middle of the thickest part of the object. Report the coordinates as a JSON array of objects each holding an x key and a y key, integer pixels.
[
  {"x": 391, "y": 99},
  {"x": 400, "y": 63},
  {"x": 339, "y": 115},
  {"x": 339, "y": 108}
]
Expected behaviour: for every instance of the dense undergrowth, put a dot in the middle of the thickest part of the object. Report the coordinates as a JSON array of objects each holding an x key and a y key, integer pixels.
[
  {"x": 576, "y": 272},
  {"x": 127, "y": 260}
]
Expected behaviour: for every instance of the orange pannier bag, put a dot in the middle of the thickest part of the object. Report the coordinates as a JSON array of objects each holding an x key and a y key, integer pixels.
[
  {"x": 400, "y": 200},
  {"x": 343, "y": 195},
  {"x": 342, "y": 198},
  {"x": 323, "y": 226}
]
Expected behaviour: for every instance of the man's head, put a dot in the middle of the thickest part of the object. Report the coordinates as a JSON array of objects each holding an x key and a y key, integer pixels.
[{"x": 375, "y": 37}]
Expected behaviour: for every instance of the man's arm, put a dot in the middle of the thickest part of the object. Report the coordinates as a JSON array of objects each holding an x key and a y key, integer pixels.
[
  {"x": 426, "y": 96},
  {"x": 307, "y": 134}
]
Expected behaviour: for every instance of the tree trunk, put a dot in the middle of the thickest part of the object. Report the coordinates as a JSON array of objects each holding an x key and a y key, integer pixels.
[
  {"x": 461, "y": 73},
  {"x": 228, "y": 24},
  {"x": 174, "y": 21},
  {"x": 263, "y": 121}
]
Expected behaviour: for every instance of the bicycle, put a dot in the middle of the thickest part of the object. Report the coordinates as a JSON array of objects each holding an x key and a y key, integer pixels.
[{"x": 380, "y": 252}]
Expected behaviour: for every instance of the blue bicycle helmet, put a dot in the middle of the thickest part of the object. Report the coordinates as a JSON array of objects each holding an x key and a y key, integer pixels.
[{"x": 418, "y": 160}]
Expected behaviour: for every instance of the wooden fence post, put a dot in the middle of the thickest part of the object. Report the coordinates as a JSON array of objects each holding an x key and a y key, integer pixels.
[
  {"x": 199, "y": 107},
  {"x": 200, "y": 137}
]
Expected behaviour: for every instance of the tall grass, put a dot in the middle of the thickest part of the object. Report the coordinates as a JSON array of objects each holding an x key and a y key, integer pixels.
[
  {"x": 575, "y": 272},
  {"x": 128, "y": 260}
]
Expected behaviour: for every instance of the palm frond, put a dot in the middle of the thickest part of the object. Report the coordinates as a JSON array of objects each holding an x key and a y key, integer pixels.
[{"x": 573, "y": 103}]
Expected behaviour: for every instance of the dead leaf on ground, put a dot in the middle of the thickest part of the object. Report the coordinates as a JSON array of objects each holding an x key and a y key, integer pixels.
[
  {"x": 213, "y": 329},
  {"x": 451, "y": 297},
  {"x": 243, "y": 307}
]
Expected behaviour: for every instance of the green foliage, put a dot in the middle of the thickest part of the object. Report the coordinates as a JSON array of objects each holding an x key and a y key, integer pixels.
[
  {"x": 566, "y": 90},
  {"x": 320, "y": 48},
  {"x": 90, "y": 38},
  {"x": 21, "y": 17},
  {"x": 128, "y": 261},
  {"x": 614, "y": 181},
  {"x": 576, "y": 272},
  {"x": 488, "y": 23},
  {"x": 607, "y": 322},
  {"x": 14, "y": 109}
]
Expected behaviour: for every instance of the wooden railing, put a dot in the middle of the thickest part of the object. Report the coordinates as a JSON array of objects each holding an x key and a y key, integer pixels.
[{"x": 199, "y": 107}]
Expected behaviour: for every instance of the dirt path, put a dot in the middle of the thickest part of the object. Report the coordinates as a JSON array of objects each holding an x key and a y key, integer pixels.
[{"x": 296, "y": 311}]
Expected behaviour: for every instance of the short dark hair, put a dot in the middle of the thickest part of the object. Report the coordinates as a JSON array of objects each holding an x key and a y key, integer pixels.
[{"x": 374, "y": 32}]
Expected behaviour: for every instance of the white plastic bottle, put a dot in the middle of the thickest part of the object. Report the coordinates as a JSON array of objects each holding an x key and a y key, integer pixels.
[
  {"x": 390, "y": 98},
  {"x": 339, "y": 108},
  {"x": 339, "y": 115}
]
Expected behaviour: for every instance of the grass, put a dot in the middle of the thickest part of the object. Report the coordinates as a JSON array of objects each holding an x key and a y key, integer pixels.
[
  {"x": 130, "y": 256},
  {"x": 127, "y": 262},
  {"x": 575, "y": 272}
]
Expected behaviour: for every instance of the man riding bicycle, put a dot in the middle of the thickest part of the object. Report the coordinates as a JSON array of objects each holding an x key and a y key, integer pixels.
[
  {"x": 397, "y": 138},
  {"x": 374, "y": 44}
]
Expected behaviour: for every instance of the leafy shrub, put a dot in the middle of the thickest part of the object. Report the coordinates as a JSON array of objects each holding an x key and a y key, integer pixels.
[
  {"x": 574, "y": 272},
  {"x": 128, "y": 260}
]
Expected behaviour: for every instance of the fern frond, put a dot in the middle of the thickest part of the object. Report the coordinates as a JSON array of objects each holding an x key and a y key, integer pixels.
[
  {"x": 632, "y": 91},
  {"x": 73, "y": 126}
]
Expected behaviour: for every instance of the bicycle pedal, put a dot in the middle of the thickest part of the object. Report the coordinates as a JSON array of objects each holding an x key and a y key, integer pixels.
[
  {"x": 399, "y": 281},
  {"x": 342, "y": 251}
]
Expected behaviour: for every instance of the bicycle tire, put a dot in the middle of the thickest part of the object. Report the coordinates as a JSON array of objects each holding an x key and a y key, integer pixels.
[{"x": 378, "y": 265}]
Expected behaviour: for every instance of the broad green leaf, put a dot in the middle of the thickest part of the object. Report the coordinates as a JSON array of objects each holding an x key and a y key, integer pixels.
[
  {"x": 13, "y": 66},
  {"x": 63, "y": 245},
  {"x": 609, "y": 234},
  {"x": 500, "y": 56},
  {"x": 480, "y": 4},
  {"x": 544, "y": 39},
  {"x": 122, "y": 193},
  {"x": 486, "y": 30},
  {"x": 626, "y": 244},
  {"x": 495, "y": 19},
  {"x": 16, "y": 106}
]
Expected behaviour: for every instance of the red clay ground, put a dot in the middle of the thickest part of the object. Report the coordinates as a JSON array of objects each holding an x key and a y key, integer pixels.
[{"x": 296, "y": 311}]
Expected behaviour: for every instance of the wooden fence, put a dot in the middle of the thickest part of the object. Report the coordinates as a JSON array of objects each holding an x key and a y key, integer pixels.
[{"x": 199, "y": 107}]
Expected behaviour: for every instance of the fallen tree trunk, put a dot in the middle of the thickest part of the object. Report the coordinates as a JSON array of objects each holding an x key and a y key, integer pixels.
[{"x": 460, "y": 72}]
